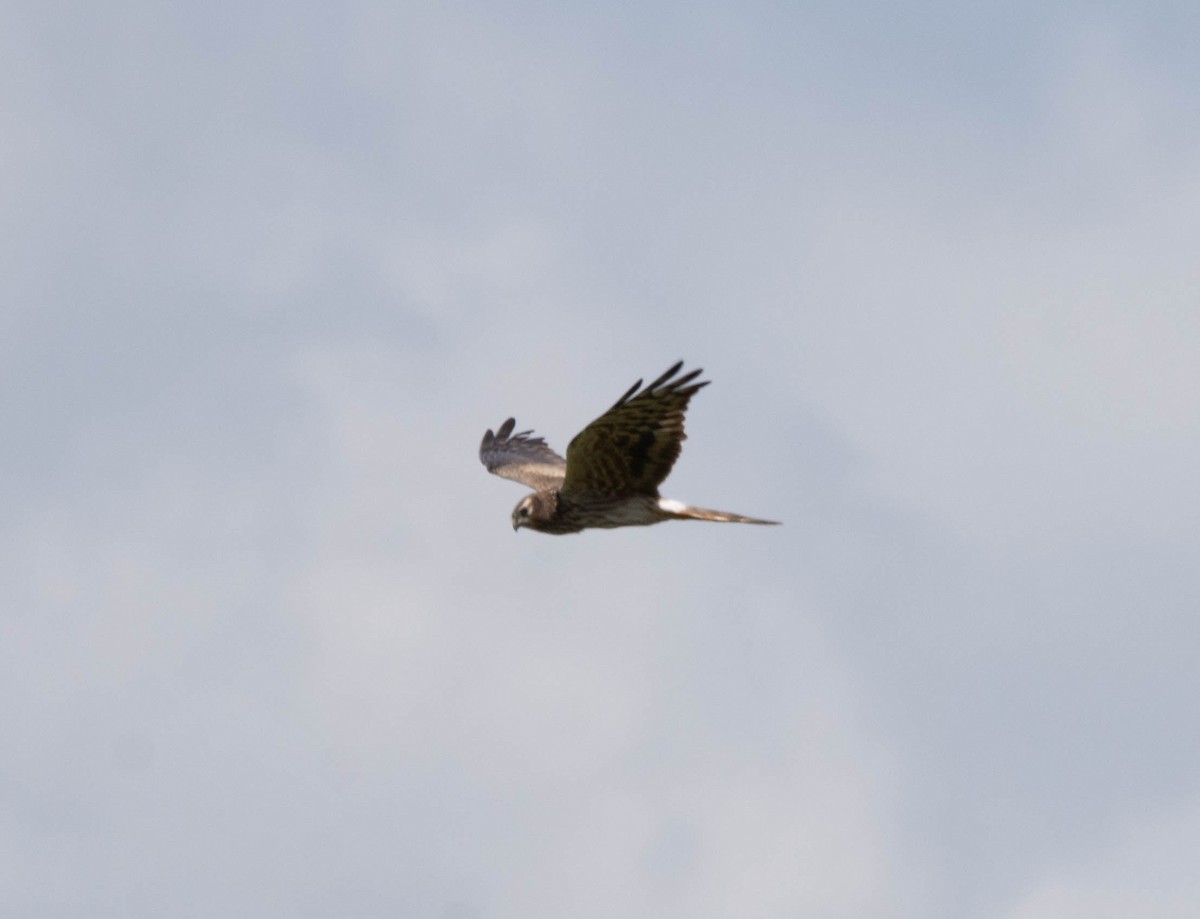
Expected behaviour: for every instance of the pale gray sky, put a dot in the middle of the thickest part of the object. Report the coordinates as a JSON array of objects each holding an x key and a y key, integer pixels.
[{"x": 268, "y": 646}]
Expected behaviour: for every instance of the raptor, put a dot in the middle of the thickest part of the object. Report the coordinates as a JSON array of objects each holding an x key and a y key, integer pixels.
[{"x": 613, "y": 467}]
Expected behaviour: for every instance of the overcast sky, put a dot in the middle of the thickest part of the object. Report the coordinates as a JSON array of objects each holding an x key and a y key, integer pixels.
[{"x": 268, "y": 644}]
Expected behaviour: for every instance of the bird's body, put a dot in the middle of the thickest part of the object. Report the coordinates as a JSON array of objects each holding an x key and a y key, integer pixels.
[{"x": 613, "y": 467}]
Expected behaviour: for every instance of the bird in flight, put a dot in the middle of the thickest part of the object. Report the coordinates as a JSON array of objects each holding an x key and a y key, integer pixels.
[{"x": 613, "y": 468}]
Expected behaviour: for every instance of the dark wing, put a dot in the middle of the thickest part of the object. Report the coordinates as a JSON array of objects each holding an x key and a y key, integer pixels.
[
  {"x": 522, "y": 458},
  {"x": 631, "y": 447}
]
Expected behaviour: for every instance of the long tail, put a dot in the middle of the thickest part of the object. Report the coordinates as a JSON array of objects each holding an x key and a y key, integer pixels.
[{"x": 677, "y": 510}]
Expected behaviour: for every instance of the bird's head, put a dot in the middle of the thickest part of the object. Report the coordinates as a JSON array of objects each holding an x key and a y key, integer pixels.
[{"x": 523, "y": 513}]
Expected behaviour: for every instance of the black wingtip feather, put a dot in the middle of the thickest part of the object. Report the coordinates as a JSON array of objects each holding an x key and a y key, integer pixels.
[
  {"x": 687, "y": 378},
  {"x": 632, "y": 389},
  {"x": 666, "y": 376}
]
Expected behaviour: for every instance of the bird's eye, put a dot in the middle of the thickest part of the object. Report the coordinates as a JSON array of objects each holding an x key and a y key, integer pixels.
[{"x": 524, "y": 510}]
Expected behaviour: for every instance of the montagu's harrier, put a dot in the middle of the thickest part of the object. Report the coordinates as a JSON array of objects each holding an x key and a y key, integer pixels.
[{"x": 613, "y": 468}]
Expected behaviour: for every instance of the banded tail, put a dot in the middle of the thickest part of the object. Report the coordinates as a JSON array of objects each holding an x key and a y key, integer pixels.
[{"x": 677, "y": 510}]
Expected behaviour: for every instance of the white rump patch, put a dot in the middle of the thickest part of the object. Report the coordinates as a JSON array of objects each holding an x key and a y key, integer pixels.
[{"x": 671, "y": 506}]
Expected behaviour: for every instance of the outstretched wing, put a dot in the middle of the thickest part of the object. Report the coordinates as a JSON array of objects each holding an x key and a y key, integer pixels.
[
  {"x": 521, "y": 457},
  {"x": 631, "y": 447}
]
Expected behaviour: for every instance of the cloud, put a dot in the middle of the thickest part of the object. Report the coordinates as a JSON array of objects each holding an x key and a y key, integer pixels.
[
  {"x": 269, "y": 640},
  {"x": 1144, "y": 870}
]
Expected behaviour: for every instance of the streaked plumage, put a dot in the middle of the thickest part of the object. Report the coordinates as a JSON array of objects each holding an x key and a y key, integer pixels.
[{"x": 613, "y": 468}]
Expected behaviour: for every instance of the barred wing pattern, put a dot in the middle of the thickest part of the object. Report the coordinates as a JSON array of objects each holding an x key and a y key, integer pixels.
[
  {"x": 522, "y": 458},
  {"x": 631, "y": 448}
]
